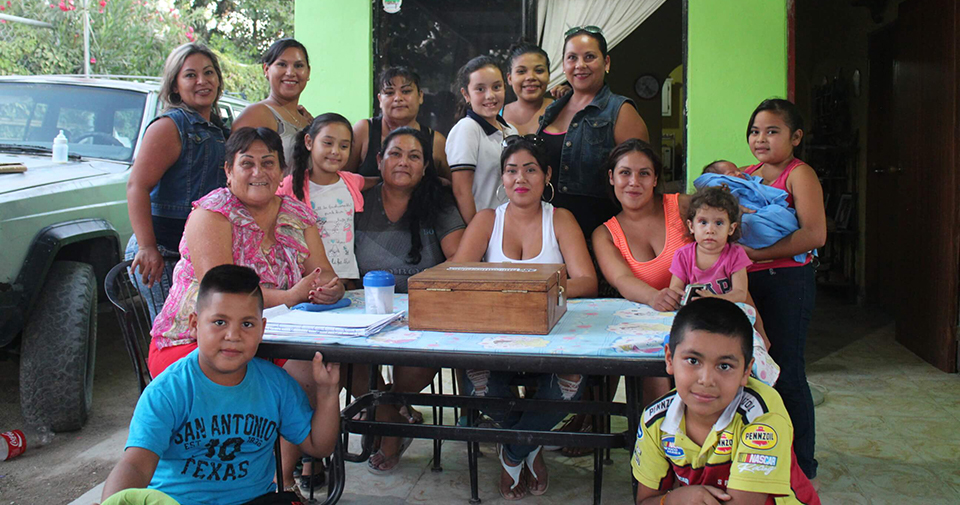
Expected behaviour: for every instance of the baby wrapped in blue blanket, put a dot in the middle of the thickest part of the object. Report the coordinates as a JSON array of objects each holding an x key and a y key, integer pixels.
[{"x": 772, "y": 218}]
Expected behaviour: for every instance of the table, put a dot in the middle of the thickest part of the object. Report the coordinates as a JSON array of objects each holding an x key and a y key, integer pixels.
[{"x": 594, "y": 337}]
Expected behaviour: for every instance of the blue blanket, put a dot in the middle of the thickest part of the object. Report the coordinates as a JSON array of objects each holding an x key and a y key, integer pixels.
[{"x": 773, "y": 219}]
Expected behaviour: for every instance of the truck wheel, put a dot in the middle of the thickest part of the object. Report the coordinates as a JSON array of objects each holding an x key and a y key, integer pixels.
[{"x": 58, "y": 349}]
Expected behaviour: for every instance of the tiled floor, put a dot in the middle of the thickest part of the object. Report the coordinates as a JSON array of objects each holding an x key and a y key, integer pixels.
[{"x": 886, "y": 433}]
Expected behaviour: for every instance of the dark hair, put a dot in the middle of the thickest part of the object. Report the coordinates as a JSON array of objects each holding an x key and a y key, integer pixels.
[
  {"x": 717, "y": 198},
  {"x": 626, "y": 147},
  {"x": 522, "y": 144},
  {"x": 521, "y": 48},
  {"x": 786, "y": 109},
  {"x": 714, "y": 315},
  {"x": 429, "y": 198},
  {"x": 601, "y": 40},
  {"x": 233, "y": 279},
  {"x": 463, "y": 79},
  {"x": 278, "y": 47},
  {"x": 391, "y": 73},
  {"x": 241, "y": 139},
  {"x": 301, "y": 155},
  {"x": 714, "y": 168}
]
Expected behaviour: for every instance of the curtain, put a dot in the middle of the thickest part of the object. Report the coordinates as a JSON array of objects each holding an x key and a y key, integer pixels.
[{"x": 617, "y": 19}]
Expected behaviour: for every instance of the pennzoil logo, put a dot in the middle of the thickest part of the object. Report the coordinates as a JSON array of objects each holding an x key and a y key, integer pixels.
[
  {"x": 759, "y": 436},
  {"x": 725, "y": 444}
]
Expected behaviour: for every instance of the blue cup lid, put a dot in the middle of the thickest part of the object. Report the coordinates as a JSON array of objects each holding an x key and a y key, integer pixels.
[{"x": 378, "y": 279}]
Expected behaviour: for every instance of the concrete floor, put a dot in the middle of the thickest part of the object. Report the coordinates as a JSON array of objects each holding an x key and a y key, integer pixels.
[{"x": 884, "y": 433}]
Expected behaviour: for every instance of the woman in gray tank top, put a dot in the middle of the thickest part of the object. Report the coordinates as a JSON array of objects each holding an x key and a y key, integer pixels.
[{"x": 287, "y": 69}]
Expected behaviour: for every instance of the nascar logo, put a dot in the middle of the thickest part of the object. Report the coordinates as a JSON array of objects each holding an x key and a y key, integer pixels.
[
  {"x": 759, "y": 436},
  {"x": 758, "y": 459}
]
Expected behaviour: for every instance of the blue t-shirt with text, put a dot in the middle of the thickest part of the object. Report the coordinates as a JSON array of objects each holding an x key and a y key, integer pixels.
[{"x": 216, "y": 442}]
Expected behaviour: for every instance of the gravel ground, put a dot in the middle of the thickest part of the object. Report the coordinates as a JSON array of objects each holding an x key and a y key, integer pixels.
[{"x": 77, "y": 461}]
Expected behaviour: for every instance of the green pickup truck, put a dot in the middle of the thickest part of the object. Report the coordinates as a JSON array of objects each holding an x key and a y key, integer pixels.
[{"x": 64, "y": 225}]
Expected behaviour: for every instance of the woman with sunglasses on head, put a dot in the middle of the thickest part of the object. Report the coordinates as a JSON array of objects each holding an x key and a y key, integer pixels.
[
  {"x": 287, "y": 69},
  {"x": 581, "y": 128}
]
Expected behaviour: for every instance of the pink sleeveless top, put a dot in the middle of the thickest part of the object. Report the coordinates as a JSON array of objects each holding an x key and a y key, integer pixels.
[
  {"x": 655, "y": 272},
  {"x": 780, "y": 183}
]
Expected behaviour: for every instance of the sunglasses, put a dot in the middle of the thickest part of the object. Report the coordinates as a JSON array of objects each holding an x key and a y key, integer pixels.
[
  {"x": 589, "y": 29},
  {"x": 530, "y": 137}
]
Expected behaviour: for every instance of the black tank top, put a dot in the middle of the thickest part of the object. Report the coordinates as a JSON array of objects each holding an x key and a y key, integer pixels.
[{"x": 368, "y": 167}]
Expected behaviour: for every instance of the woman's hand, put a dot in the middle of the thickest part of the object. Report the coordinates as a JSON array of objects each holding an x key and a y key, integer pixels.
[
  {"x": 300, "y": 292},
  {"x": 328, "y": 293},
  {"x": 303, "y": 112},
  {"x": 667, "y": 300},
  {"x": 151, "y": 265}
]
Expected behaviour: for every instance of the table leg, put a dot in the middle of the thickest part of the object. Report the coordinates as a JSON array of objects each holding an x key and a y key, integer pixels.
[
  {"x": 437, "y": 420},
  {"x": 633, "y": 410},
  {"x": 597, "y": 475},
  {"x": 472, "y": 449}
]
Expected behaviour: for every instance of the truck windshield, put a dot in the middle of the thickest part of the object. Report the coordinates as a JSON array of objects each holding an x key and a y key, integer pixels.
[{"x": 98, "y": 122}]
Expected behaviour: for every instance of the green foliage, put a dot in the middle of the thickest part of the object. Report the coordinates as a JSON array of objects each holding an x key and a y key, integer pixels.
[
  {"x": 245, "y": 28},
  {"x": 133, "y": 37}
]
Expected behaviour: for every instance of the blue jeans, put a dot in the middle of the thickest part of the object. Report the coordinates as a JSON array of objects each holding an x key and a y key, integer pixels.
[
  {"x": 785, "y": 299},
  {"x": 497, "y": 384},
  {"x": 155, "y": 296}
]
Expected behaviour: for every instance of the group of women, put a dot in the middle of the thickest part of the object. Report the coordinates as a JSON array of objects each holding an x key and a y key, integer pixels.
[{"x": 312, "y": 204}]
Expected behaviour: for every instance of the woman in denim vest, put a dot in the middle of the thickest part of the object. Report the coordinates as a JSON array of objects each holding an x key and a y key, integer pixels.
[
  {"x": 580, "y": 129},
  {"x": 180, "y": 160}
]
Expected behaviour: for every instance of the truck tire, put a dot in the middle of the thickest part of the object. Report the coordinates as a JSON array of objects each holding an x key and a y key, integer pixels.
[{"x": 58, "y": 349}]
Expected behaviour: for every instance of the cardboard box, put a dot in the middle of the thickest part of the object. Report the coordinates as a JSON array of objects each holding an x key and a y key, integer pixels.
[{"x": 522, "y": 298}]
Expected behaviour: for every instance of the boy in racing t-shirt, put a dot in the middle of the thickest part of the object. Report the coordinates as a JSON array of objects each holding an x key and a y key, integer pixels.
[{"x": 721, "y": 436}]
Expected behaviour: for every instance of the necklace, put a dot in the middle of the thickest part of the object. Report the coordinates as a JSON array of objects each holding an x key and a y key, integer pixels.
[{"x": 296, "y": 121}]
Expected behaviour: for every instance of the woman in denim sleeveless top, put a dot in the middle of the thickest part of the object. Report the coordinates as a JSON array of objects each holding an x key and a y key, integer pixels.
[
  {"x": 180, "y": 160},
  {"x": 581, "y": 128}
]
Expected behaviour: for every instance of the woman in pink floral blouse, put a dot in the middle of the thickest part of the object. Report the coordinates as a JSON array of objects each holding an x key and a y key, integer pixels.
[{"x": 245, "y": 224}]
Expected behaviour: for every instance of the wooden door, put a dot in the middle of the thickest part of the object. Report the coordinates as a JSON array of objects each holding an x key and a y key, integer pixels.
[
  {"x": 925, "y": 129},
  {"x": 882, "y": 246}
]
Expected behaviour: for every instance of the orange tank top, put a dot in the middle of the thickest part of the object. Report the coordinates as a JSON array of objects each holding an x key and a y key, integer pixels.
[{"x": 656, "y": 272}]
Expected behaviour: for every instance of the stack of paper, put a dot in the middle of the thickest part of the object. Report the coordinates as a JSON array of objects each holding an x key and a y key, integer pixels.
[{"x": 282, "y": 321}]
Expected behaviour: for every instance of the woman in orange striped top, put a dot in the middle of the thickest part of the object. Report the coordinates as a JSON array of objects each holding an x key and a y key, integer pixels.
[{"x": 635, "y": 247}]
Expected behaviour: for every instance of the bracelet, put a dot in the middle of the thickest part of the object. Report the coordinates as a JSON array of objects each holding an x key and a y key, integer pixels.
[{"x": 663, "y": 499}]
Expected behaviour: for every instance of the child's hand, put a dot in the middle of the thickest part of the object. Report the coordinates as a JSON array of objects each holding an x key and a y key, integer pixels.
[
  {"x": 747, "y": 210},
  {"x": 707, "y": 495},
  {"x": 706, "y": 293},
  {"x": 327, "y": 293},
  {"x": 326, "y": 375}
]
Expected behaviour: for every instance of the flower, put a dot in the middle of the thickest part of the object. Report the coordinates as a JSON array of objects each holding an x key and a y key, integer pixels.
[
  {"x": 101, "y": 10},
  {"x": 93, "y": 59},
  {"x": 2, "y": 8},
  {"x": 103, "y": 3}
]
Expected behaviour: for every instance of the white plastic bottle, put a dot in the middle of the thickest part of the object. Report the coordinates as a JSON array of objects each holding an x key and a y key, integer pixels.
[
  {"x": 60, "y": 148},
  {"x": 15, "y": 442}
]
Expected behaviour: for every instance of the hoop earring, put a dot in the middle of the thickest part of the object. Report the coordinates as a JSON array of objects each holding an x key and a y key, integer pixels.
[
  {"x": 497, "y": 193},
  {"x": 553, "y": 192}
]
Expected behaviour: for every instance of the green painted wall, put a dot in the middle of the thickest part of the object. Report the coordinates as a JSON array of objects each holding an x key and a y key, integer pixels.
[
  {"x": 338, "y": 37},
  {"x": 737, "y": 57}
]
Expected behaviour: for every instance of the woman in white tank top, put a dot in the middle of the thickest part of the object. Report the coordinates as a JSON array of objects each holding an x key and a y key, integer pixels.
[{"x": 527, "y": 230}]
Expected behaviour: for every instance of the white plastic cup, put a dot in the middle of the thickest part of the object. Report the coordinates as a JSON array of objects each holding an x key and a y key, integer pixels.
[{"x": 378, "y": 288}]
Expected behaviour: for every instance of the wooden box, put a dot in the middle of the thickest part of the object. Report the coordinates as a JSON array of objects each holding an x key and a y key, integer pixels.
[{"x": 488, "y": 298}]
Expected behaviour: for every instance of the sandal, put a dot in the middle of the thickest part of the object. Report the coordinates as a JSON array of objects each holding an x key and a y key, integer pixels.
[
  {"x": 412, "y": 415},
  {"x": 514, "y": 473},
  {"x": 318, "y": 479},
  {"x": 375, "y": 468},
  {"x": 528, "y": 462}
]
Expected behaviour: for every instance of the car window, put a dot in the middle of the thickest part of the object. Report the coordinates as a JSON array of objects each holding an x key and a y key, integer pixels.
[
  {"x": 226, "y": 114},
  {"x": 98, "y": 122}
]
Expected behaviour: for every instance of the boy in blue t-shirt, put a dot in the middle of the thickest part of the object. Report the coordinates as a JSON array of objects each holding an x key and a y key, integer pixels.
[{"x": 203, "y": 431}]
